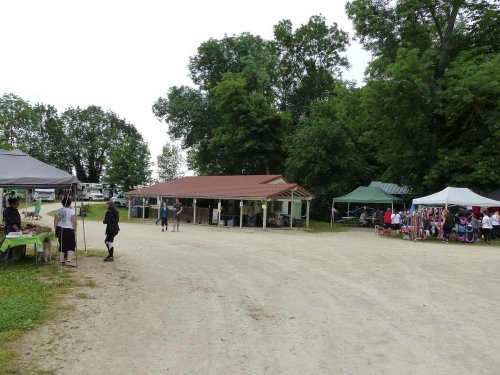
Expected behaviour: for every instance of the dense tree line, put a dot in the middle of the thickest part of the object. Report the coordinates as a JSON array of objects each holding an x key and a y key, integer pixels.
[
  {"x": 426, "y": 116},
  {"x": 97, "y": 145}
]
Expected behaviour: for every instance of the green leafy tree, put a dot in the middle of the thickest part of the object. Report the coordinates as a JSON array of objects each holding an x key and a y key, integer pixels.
[
  {"x": 170, "y": 163},
  {"x": 322, "y": 154},
  {"x": 471, "y": 107},
  {"x": 229, "y": 70},
  {"x": 234, "y": 122},
  {"x": 17, "y": 121},
  {"x": 248, "y": 139},
  {"x": 34, "y": 129},
  {"x": 104, "y": 146},
  {"x": 309, "y": 63},
  {"x": 415, "y": 45},
  {"x": 244, "y": 54},
  {"x": 128, "y": 165},
  {"x": 191, "y": 117}
]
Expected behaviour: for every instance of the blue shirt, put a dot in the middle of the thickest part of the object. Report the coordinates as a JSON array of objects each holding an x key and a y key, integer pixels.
[{"x": 164, "y": 212}]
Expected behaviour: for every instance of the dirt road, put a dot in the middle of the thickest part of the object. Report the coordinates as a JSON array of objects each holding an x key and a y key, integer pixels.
[{"x": 218, "y": 301}]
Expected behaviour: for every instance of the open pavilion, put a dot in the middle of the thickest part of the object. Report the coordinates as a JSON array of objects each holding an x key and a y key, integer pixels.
[{"x": 211, "y": 199}]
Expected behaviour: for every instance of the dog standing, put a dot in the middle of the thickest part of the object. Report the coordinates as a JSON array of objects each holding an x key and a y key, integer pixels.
[
  {"x": 47, "y": 251},
  {"x": 32, "y": 215},
  {"x": 28, "y": 214}
]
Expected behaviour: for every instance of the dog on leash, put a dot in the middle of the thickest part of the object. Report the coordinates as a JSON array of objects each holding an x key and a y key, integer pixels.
[{"x": 47, "y": 251}]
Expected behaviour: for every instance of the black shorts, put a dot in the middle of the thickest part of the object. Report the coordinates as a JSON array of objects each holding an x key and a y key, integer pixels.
[
  {"x": 110, "y": 236},
  {"x": 164, "y": 221},
  {"x": 67, "y": 240}
]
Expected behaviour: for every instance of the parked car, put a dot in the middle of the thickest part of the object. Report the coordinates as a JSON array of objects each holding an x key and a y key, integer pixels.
[{"x": 120, "y": 200}]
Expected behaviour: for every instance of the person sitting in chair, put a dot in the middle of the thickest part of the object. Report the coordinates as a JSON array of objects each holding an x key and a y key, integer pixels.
[{"x": 363, "y": 219}]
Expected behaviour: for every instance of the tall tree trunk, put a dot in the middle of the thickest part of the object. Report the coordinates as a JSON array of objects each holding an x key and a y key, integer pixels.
[{"x": 444, "y": 58}]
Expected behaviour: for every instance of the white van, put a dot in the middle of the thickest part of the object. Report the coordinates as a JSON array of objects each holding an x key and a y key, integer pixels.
[{"x": 47, "y": 195}]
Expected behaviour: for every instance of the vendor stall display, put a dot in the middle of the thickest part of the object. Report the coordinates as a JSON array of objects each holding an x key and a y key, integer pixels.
[
  {"x": 21, "y": 171},
  {"x": 30, "y": 234}
]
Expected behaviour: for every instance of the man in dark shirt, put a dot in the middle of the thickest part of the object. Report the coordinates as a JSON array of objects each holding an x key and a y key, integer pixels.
[
  {"x": 177, "y": 211},
  {"x": 449, "y": 224}
]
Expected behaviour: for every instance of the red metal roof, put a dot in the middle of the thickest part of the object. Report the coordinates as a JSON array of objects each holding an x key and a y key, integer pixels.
[{"x": 248, "y": 186}]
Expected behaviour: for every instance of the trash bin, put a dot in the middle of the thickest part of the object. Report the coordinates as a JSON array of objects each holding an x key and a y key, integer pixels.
[
  {"x": 136, "y": 211},
  {"x": 230, "y": 223}
]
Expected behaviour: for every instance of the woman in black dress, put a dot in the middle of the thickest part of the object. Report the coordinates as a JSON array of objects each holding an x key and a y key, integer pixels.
[{"x": 111, "y": 220}]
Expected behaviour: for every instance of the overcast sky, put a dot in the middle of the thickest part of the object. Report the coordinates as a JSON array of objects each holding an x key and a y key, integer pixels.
[{"x": 122, "y": 55}]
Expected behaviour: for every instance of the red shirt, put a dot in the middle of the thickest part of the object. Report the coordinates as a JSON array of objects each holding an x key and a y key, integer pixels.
[{"x": 387, "y": 217}]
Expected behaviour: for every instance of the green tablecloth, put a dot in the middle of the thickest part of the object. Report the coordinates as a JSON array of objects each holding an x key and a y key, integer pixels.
[{"x": 12, "y": 242}]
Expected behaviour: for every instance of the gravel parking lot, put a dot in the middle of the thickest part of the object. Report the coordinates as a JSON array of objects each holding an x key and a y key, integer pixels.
[{"x": 223, "y": 301}]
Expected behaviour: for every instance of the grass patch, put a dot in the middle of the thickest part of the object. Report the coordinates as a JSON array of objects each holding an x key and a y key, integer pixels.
[
  {"x": 98, "y": 211},
  {"x": 30, "y": 295},
  {"x": 316, "y": 226},
  {"x": 27, "y": 297}
]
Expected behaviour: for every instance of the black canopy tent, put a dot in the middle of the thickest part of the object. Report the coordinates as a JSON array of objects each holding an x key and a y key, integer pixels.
[{"x": 19, "y": 170}]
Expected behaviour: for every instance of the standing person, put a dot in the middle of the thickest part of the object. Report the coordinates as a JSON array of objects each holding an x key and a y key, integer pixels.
[
  {"x": 4, "y": 201},
  {"x": 449, "y": 224},
  {"x": 11, "y": 217},
  {"x": 388, "y": 218},
  {"x": 65, "y": 228},
  {"x": 476, "y": 227},
  {"x": 164, "y": 211},
  {"x": 177, "y": 211},
  {"x": 495, "y": 222},
  {"x": 111, "y": 220},
  {"x": 38, "y": 208},
  {"x": 486, "y": 227},
  {"x": 396, "y": 221}
]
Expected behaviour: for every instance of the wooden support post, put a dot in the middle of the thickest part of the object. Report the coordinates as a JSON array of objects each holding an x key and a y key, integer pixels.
[
  {"x": 308, "y": 203},
  {"x": 194, "y": 209},
  {"x": 264, "y": 215},
  {"x": 241, "y": 214}
]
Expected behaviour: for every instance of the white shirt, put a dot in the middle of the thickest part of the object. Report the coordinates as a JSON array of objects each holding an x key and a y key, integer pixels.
[
  {"x": 487, "y": 222},
  {"x": 495, "y": 220},
  {"x": 396, "y": 219},
  {"x": 63, "y": 217}
]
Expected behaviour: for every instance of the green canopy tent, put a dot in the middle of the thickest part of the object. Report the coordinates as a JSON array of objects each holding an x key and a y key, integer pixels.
[{"x": 364, "y": 194}]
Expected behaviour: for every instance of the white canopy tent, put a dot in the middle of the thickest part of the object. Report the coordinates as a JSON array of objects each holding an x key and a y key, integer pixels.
[{"x": 452, "y": 196}]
